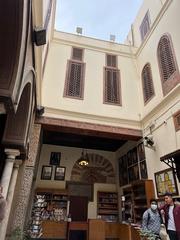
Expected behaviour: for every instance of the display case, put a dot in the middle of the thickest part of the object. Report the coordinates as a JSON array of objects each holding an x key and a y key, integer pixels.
[
  {"x": 49, "y": 206},
  {"x": 56, "y": 204},
  {"x": 107, "y": 206},
  {"x": 36, "y": 221}
]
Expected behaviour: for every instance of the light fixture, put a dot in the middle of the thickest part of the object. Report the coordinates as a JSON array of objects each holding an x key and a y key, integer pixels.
[
  {"x": 40, "y": 36},
  {"x": 149, "y": 142},
  {"x": 83, "y": 160}
]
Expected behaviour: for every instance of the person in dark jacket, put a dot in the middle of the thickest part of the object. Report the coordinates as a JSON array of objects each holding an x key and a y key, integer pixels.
[
  {"x": 2, "y": 205},
  {"x": 171, "y": 214}
]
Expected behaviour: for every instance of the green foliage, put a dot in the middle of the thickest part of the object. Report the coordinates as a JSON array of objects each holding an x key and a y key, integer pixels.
[
  {"x": 146, "y": 234},
  {"x": 18, "y": 234}
]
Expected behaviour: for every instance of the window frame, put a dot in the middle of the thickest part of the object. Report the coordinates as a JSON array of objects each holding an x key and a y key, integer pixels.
[
  {"x": 146, "y": 19},
  {"x": 68, "y": 72},
  {"x": 146, "y": 101},
  {"x": 174, "y": 79},
  {"x": 67, "y": 79},
  {"x": 112, "y": 55},
  {"x": 73, "y": 47},
  {"x": 119, "y": 102},
  {"x": 176, "y": 115}
]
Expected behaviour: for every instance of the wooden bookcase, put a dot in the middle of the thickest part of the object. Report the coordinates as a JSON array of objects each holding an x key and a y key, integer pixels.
[
  {"x": 132, "y": 166},
  {"x": 107, "y": 206},
  {"x": 137, "y": 199},
  {"x": 128, "y": 207}
]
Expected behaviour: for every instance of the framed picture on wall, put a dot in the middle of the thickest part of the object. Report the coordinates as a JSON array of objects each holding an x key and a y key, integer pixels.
[
  {"x": 46, "y": 172},
  {"x": 166, "y": 182},
  {"x": 55, "y": 158},
  {"x": 59, "y": 173}
]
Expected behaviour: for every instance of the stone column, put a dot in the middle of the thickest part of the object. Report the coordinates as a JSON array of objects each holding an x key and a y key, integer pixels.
[
  {"x": 4, "y": 224},
  {"x": 25, "y": 192},
  {"x": 6, "y": 177}
]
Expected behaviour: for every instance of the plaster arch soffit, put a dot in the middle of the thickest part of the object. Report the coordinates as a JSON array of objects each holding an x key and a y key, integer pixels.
[
  {"x": 18, "y": 136},
  {"x": 28, "y": 78},
  {"x": 14, "y": 47},
  {"x": 99, "y": 170}
]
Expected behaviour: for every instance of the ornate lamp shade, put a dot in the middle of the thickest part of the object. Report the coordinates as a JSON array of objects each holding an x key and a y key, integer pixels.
[{"x": 83, "y": 160}]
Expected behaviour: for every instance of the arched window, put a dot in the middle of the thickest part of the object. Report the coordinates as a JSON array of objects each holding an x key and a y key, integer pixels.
[
  {"x": 147, "y": 83},
  {"x": 167, "y": 64}
]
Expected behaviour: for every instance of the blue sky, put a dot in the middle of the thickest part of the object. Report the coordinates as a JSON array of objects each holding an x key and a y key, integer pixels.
[{"x": 98, "y": 18}]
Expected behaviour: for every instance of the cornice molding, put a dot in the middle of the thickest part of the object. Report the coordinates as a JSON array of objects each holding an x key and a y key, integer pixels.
[
  {"x": 71, "y": 41},
  {"x": 114, "y": 132},
  {"x": 99, "y": 119}
]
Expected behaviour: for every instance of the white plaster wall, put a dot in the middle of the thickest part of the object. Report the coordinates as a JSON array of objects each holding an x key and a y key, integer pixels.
[
  {"x": 45, "y": 8},
  {"x": 159, "y": 110},
  {"x": 154, "y": 8},
  {"x": 50, "y": 28},
  {"x": 69, "y": 156},
  {"x": 92, "y": 104},
  {"x": 166, "y": 139},
  {"x": 149, "y": 53}
]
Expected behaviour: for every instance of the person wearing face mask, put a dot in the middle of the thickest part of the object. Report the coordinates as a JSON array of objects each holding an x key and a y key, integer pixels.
[{"x": 151, "y": 220}]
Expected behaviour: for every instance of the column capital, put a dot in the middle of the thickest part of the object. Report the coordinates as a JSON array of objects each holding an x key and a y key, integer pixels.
[
  {"x": 17, "y": 163},
  {"x": 12, "y": 153}
]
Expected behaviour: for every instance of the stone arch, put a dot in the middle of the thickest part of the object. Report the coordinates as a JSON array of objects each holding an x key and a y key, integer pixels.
[
  {"x": 18, "y": 124},
  {"x": 15, "y": 26},
  {"x": 99, "y": 170}
]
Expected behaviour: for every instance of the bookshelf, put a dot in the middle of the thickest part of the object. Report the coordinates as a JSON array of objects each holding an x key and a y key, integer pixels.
[
  {"x": 143, "y": 192},
  {"x": 107, "y": 206},
  {"x": 132, "y": 166},
  {"x": 137, "y": 199},
  {"x": 128, "y": 207}
]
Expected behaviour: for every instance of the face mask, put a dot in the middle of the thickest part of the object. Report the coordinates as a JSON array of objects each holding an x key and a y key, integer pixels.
[{"x": 153, "y": 206}]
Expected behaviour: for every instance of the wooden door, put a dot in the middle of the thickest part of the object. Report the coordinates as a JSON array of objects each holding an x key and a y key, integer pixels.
[{"x": 78, "y": 208}]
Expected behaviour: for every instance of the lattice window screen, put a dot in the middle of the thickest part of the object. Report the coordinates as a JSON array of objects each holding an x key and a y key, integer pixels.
[
  {"x": 166, "y": 58},
  {"x": 145, "y": 26},
  {"x": 75, "y": 79},
  {"x": 148, "y": 88},
  {"x": 176, "y": 118},
  {"x": 112, "y": 86}
]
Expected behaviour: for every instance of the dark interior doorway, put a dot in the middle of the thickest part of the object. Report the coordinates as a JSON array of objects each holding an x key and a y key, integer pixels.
[
  {"x": 77, "y": 235},
  {"x": 78, "y": 208}
]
